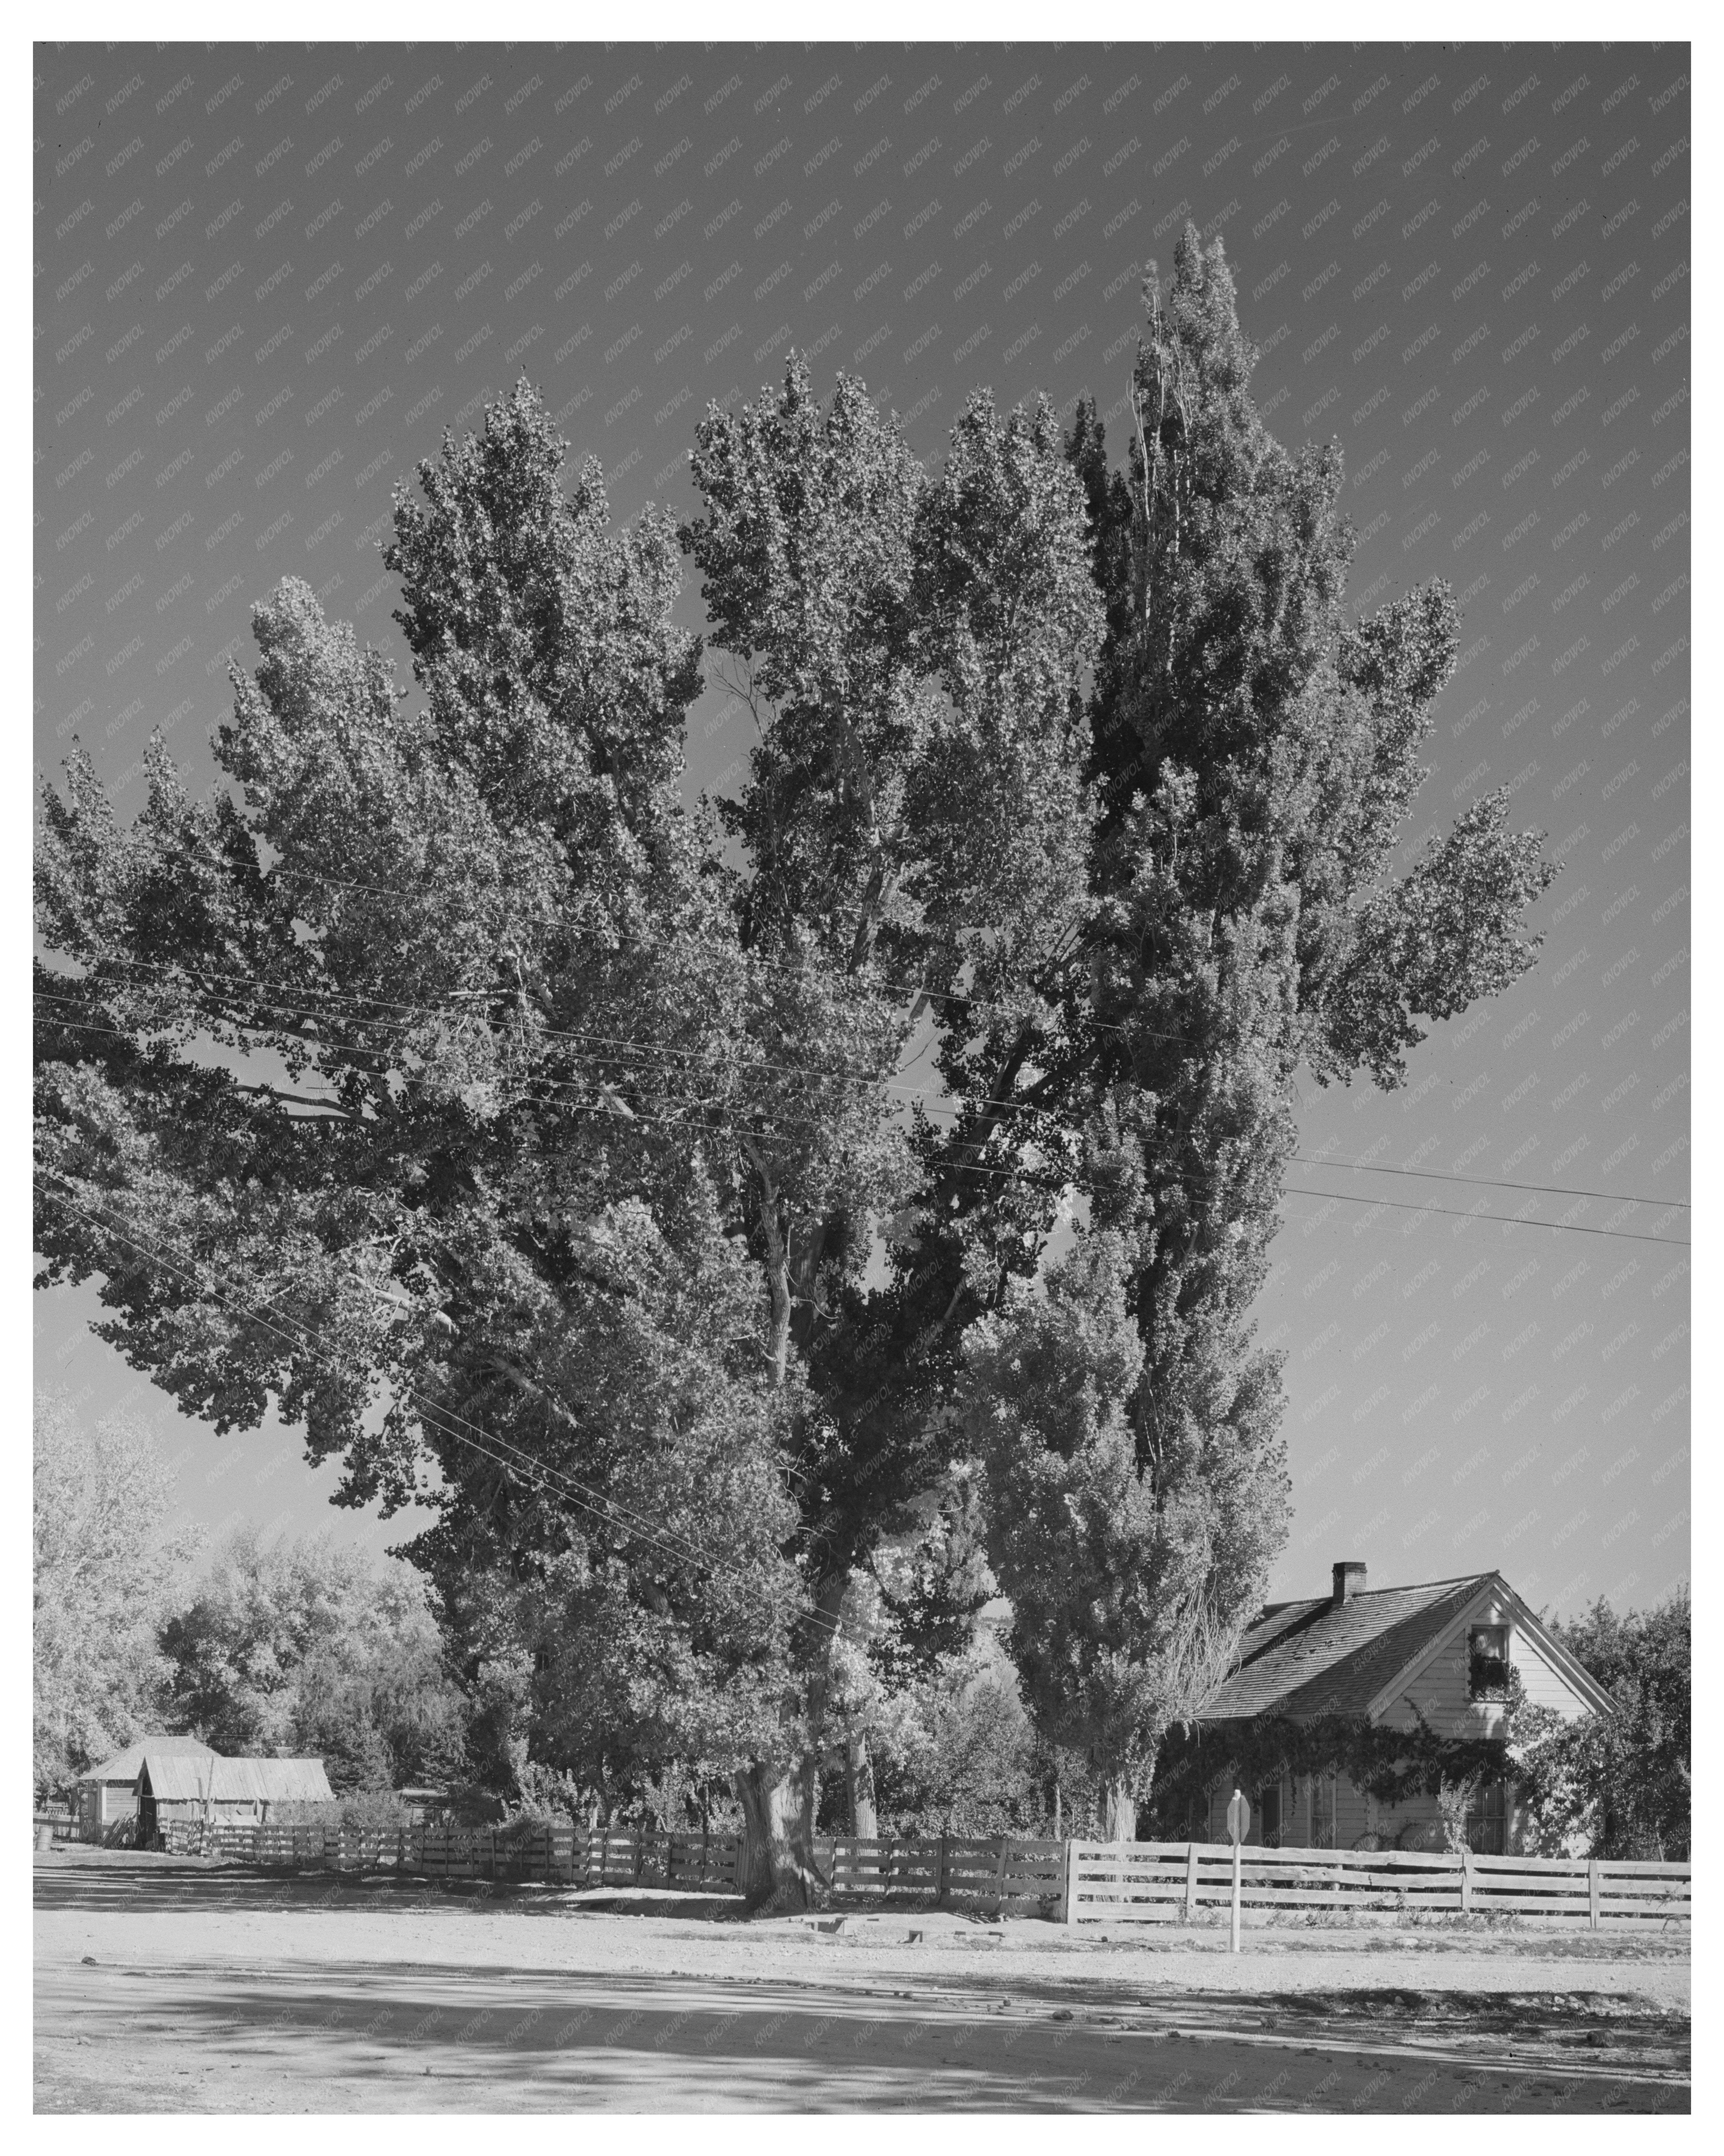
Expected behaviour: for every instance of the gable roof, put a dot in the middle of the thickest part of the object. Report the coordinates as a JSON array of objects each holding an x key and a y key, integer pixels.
[
  {"x": 125, "y": 1766},
  {"x": 1527, "y": 1622},
  {"x": 1305, "y": 1659}
]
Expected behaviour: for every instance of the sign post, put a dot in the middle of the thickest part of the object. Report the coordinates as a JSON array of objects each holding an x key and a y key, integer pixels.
[{"x": 1238, "y": 1823}]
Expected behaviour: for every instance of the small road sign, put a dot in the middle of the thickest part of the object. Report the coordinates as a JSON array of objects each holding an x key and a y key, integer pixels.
[{"x": 1239, "y": 1824}]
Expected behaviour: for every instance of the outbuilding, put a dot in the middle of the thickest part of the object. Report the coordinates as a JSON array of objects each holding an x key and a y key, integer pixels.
[
  {"x": 132, "y": 1796},
  {"x": 221, "y": 1791},
  {"x": 105, "y": 1798}
]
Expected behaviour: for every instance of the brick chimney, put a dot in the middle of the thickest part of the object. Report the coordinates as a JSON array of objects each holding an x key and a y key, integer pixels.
[{"x": 1349, "y": 1581}]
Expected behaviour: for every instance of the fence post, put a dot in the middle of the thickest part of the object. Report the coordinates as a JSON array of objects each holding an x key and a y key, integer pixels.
[
  {"x": 1234, "y": 1940},
  {"x": 1067, "y": 1913},
  {"x": 1593, "y": 1894},
  {"x": 1001, "y": 1874},
  {"x": 640, "y": 1850},
  {"x": 1466, "y": 1882},
  {"x": 1190, "y": 1882},
  {"x": 940, "y": 1877}
]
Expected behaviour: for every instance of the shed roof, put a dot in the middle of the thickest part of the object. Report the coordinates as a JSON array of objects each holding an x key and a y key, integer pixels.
[
  {"x": 176, "y": 1776},
  {"x": 1305, "y": 1659},
  {"x": 125, "y": 1766},
  {"x": 270, "y": 1781}
]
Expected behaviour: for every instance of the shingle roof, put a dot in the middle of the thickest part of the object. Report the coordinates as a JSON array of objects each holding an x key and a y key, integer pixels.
[
  {"x": 1304, "y": 1659},
  {"x": 124, "y": 1766}
]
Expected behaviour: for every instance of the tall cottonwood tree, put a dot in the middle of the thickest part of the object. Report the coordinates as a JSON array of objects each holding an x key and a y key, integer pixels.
[
  {"x": 1254, "y": 768},
  {"x": 915, "y": 828},
  {"x": 352, "y": 1079}
]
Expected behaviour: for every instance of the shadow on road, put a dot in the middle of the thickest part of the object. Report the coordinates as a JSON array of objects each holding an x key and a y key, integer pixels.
[
  {"x": 134, "y": 1883},
  {"x": 238, "y": 2018}
]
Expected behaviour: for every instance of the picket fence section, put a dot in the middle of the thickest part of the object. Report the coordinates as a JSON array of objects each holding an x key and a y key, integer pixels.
[{"x": 1185, "y": 1882}]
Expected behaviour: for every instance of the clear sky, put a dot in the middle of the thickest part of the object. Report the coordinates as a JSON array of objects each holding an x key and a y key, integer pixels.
[{"x": 267, "y": 278}]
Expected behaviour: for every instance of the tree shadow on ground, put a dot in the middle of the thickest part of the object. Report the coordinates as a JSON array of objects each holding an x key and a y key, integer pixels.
[{"x": 392, "y": 2036}]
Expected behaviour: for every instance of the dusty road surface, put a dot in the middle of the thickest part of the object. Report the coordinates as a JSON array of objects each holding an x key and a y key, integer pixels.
[{"x": 165, "y": 1984}]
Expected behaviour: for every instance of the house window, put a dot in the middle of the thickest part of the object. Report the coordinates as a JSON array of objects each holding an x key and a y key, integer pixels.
[
  {"x": 1487, "y": 1663},
  {"x": 1269, "y": 1811},
  {"x": 1487, "y": 1819}
]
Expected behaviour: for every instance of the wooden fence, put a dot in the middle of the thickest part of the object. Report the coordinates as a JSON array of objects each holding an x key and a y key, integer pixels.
[
  {"x": 999, "y": 1872},
  {"x": 1190, "y": 1883},
  {"x": 1076, "y": 1882}
]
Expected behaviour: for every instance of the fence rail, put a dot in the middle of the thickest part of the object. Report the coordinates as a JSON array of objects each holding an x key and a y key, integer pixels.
[
  {"x": 1177, "y": 1882},
  {"x": 1076, "y": 1882}
]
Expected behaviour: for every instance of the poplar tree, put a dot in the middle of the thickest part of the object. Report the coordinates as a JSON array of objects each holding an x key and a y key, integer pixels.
[{"x": 1254, "y": 909}]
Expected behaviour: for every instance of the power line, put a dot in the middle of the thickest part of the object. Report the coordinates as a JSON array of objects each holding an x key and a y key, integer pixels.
[
  {"x": 1489, "y": 1181},
  {"x": 1508, "y": 1219},
  {"x": 616, "y": 938},
  {"x": 561, "y": 1095},
  {"x": 643, "y": 1054},
  {"x": 296, "y": 996},
  {"x": 445, "y": 1421}
]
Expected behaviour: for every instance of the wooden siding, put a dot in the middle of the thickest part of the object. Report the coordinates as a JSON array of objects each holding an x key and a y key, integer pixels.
[
  {"x": 1545, "y": 1684},
  {"x": 115, "y": 1800},
  {"x": 1441, "y": 1687},
  {"x": 1353, "y": 1812}
]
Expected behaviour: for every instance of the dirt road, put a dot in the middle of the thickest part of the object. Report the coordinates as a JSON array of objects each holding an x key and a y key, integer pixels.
[{"x": 170, "y": 1986}]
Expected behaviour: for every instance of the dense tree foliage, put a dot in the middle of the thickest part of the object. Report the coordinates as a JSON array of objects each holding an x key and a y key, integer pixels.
[
  {"x": 108, "y": 1571},
  {"x": 354, "y": 1085},
  {"x": 536, "y": 1141},
  {"x": 299, "y": 1650},
  {"x": 1619, "y": 1784}
]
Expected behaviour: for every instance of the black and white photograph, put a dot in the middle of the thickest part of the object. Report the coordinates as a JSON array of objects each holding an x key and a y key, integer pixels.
[{"x": 861, "y": 1183}]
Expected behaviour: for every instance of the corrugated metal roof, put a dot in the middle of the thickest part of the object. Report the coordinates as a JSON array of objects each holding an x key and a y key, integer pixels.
[
  {"x": 1304, "y": 1659},
  {"x": 270, "y": 1781},
  {"x": 124, "y": 1766},
  {"x": 176, "y": 1776}
]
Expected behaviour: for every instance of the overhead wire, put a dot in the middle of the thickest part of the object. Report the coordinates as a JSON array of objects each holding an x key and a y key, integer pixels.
[
  {"x": 615, "y": 938},
  {"x": 562, "y": 1095},
  {"x": 644, "y": 1057},
  {"x": 445, "y": 1422},
  {"x": 1508, "y": 1219},
  {"x": 1489, "y": 1181}
]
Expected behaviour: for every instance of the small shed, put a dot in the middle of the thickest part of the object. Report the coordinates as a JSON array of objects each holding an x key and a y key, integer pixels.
[
  {"x": 105, "y": 1798},
  {"x": 240, "y": 1791}
]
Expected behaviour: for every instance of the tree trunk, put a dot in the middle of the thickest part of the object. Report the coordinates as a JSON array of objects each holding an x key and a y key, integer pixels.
[
  {"x": 777, "y": 1269},
  {"x": 1120, "y": 1817},
  {"x": 859, "y": 1779},
  {"x": 778, "y": 1868}
]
